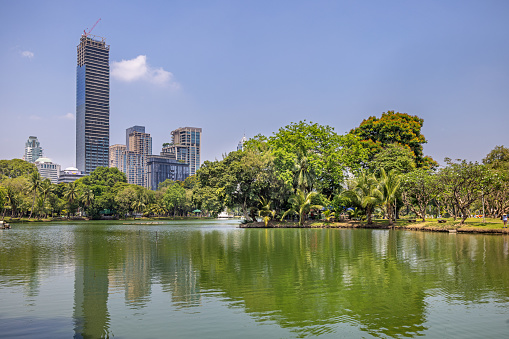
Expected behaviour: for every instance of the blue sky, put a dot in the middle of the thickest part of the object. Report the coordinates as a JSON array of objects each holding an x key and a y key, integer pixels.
[{"x": 235, "y": 67}]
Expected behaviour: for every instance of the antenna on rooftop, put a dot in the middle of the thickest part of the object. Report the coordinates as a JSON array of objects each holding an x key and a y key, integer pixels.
[{"x": 85, "y": 31}]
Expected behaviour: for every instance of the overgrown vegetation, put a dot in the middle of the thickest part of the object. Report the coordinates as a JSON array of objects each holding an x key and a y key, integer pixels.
[{"x": 303, "y": 171}]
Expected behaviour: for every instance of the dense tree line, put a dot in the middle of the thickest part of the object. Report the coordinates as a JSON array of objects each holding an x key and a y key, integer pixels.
[{"x": 304, "y": 169}]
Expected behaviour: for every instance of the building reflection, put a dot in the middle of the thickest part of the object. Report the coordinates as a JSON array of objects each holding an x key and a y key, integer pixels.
[{"x": 91, "y": 317}]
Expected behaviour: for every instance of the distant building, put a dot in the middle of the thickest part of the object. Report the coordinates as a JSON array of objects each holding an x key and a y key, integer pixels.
[
  {"x": 160, "y": 168},
  {"x": 129, "y": 130},
  {"x": 240, "y": 146},
  {"x": 33, "y": 150},
  {"x": 116, "y": 157},
  {"x": 186, "y": 147},
  {"x": 48, "y": 169},
  {"x": 131, "y": 159},
  {"x": 92, "y": 103},
  {"x": 70, "y": 174}
]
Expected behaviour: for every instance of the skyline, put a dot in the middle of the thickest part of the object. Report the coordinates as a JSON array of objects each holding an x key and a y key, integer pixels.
[{"x": 253, "y": 67}]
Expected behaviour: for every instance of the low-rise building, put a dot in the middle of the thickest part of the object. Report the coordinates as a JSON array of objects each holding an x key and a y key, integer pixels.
[
  {"x": 70, "y": 174},
  {"x": 47, "y": 169},
  {"x": 160, "y": 168}
]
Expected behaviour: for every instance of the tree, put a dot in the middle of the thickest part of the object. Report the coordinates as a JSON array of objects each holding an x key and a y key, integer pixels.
[
  {"x": 124, "y": 200},
  {"x": 464, "y": 181},
  {"x": 394, "y": 157},
  {"x": 365, "y": 192},
  {"x": 238, "y": 180},
  {"x": 498, "y": 158},
  {"x": 3, "y": 200},
  {"x": 302, "y": 204},
  {"x": 34, "y": 185},
  {"x": 389, "y": 187},
  {"x": 71, "y": 194},
  {"x": 86, "y": 197},
  {"x": 16, "y": 168},
  {"x": 305, "y": 174},
  {"x": 393, "y": 128},
  {"x": 419, "y": 188},
  {"x": 175, "y": 197},
  {"x": 328, "y": 155}
]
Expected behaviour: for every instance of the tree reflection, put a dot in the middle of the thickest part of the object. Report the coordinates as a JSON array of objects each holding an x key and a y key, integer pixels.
[{"x": 307, "y": 280}]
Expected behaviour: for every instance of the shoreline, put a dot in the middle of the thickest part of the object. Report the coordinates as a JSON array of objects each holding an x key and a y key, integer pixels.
[{"x": 418, "y": 226}]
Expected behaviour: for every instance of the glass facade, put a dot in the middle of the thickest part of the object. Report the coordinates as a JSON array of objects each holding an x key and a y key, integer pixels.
[
  {"x": 160, "y": 168},
  {"x": 92, "y": 104},
  {"x": 33, "y": 150},
  {"x": 186, "y": 145}
]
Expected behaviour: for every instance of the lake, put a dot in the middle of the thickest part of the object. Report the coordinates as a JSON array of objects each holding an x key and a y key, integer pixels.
[{"x": 210, "y": 279}]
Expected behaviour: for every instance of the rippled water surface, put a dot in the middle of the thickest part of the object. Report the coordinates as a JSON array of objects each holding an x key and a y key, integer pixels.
[{"x": 210, "y": 279}]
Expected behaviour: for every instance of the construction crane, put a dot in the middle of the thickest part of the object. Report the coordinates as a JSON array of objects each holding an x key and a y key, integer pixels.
[{"x": 85, "y": 31}]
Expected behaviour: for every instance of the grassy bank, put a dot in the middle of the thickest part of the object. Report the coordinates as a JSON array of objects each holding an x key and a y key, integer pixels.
[
  {"x": 77, "y": 219},
  {"x": 472, "y": 225}
]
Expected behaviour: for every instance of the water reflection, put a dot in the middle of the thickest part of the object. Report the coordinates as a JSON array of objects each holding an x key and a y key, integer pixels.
[{"x": 311, "y": 282}]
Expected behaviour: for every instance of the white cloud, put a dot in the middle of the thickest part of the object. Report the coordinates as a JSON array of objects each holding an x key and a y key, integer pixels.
[
  {"x": 34, "y": 117},
  {"x": 137, "y": 69},
  {"x": 68, "y": 116},
  {"x": 27, "y": 54}
]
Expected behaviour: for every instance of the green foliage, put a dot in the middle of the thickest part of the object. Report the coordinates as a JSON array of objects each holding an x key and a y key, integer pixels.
[
  {"x": 174, "y": 197},
  {"x": 498, "y": 158},
  {"x": 302, "y": 204},
  {"x": 390, "y": 183},
  {"x": 103, "y": 176},
  {"x": 420, "y": 187},
  {"x": 16, "y": 168},
  {"x": 393, "y": 128},
  {"x": 328, "y": 156},
  {"x": 464, "y": 182},
  {"x": 393, "y": 157},
  {"x": 365, "y": 192}
]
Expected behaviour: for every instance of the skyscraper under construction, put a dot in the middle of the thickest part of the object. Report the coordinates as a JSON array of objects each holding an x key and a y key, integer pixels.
[{"x": 92, "y": 103}]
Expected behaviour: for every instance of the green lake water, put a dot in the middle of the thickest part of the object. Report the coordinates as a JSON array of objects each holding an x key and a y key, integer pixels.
[{"x": 210, "y": 279}]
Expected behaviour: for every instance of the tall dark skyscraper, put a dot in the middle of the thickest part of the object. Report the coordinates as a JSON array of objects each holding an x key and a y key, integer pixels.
[{"x": 92, "y": 103}]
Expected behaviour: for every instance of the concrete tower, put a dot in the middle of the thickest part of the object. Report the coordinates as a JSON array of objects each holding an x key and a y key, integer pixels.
[{"x": 92, "y": 103}]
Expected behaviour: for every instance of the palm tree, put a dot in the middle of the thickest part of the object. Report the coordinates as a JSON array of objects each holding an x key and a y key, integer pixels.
[
  {"x": 34, "y": 186},
  {"x": 305, "y": 175},
  {"x": 365, "y": 192},
  {"x": 138, "y": 205},
  {"x": 71, "y": 193},
  {"x": 328, "y": 214},
  {"x": 301, "y": 204},
  {"x": 45, "y": 190},
  {"x": 389, "y": 186},
  {"x": 264, "y": 210},
  {"x": 87, "y": 196}
]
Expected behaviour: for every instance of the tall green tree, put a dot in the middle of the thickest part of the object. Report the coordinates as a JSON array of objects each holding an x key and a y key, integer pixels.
[
  {"x": 71, "y": 194},
  {"x": 390, "y": 183},
  {"x": 16, "y": 168},
  {"x": 34, "y": 185},
  {"x": 498, "y": 158},
  {"x": 464, "y": 181},
  {"x": 420, "y": 187},
  {"x": 393, "y": 157},
  {"x": 329, "y": 156},
  {"x": 394, "y": 128}
]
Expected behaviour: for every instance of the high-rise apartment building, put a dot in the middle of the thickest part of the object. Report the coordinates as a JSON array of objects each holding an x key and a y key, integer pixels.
[
  {"x": 117, "y": 156},
  {"x": 33, "y": 150},
  {"x": 129, "y": 130},
  {"x": 131, "y": 159},
  {"x": 92, "y": 103},
  {"x": 186, "y": 147}
]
